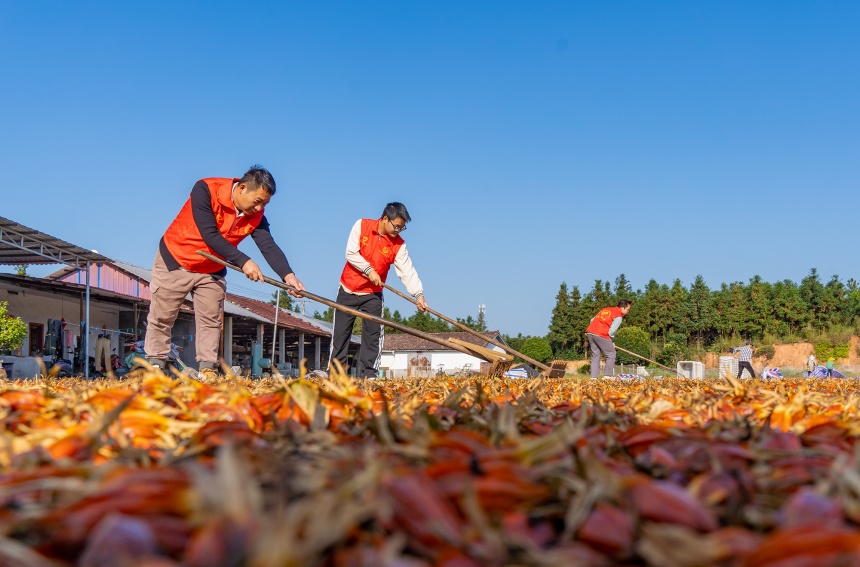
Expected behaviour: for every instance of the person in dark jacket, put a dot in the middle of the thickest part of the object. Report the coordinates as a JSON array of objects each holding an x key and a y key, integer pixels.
[{"x": 219, "y": 214}]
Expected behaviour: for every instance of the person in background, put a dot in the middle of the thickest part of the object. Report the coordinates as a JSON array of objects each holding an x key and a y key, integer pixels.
[
  {"x": 601, "y": 335},
  {"x": 218, "y": 215},
  {"x": 373, "y": 246},
  {"x": 830, "y": 364},
  {"x": 811, "y": 364},
  {"x": 745, "y": 354}
]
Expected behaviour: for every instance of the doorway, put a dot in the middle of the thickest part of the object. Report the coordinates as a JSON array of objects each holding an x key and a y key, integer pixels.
[{"x": 37, "y": 338}]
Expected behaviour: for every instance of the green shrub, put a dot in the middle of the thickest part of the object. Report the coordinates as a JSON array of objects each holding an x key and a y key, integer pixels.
[
  {"x": 567, "y": 354},
  {"x": 635, "y": 340},
  {"x": 585, "y": 369},
  {"x": 826, "y": 349},
  {"x": 13, "y": 330},
  {"x": 537, "y": 348},
  {"x": 724, "y": 345},
  {"x": 766, "y": 351},
  {"x": 835, "y": 343},
  {"x": 671, "y": 353},
  {"x": 770, "y": 338}
]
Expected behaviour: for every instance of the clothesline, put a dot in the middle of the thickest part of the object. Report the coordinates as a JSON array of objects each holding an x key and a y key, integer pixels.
[{"x": 102, "y": 330}]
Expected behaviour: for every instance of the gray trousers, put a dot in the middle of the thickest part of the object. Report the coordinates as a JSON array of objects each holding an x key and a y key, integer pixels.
[{"x": 601, "y": 345}]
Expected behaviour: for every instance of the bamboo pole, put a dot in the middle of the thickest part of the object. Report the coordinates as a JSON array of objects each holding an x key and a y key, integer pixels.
[
  {"x": 459, "y": 325},
  {"x": 345, "y": 309},
  {"x": 654, "y": 362}
]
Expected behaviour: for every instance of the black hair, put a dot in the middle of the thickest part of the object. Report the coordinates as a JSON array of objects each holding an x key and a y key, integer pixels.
[
  {"x": 258, "y": 177},
  {"x": 622, "y": 303},
  {"x": 396, "y": 210}
]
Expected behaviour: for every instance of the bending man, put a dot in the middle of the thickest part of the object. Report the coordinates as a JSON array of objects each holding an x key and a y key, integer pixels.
[
  {"x": 601, "y": 333},
  {"x": 745, "y": 354},
  {"x": 220, "y": 213},
  {"x": 373, "y": 246}
]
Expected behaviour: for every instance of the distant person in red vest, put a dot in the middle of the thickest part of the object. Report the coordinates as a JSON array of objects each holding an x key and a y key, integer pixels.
[
  {"x": 601, "y": 334},
  {"x": 373, "y": 246},
  {"x": 220, "y": 213}
]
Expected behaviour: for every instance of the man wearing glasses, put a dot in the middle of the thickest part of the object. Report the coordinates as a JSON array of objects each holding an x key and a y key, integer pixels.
[{"x": 373, "y": 246}]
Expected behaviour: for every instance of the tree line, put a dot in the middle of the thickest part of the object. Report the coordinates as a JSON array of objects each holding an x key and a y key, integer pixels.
[{"x": 678, "y": 318}]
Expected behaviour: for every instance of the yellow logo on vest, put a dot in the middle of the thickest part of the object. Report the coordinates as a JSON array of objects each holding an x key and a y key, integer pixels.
[
  {"x": 247, "y": 230},
  {"x": 364, "y": 240},
  {"x": 385, "y": 251},
  {"x": 219, "y": 218}
]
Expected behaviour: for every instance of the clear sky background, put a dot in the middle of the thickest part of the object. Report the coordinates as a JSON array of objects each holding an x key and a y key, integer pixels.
[{"x": 534, "y": 143}]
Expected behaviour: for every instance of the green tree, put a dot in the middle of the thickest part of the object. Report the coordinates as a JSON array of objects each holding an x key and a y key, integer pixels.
[
  {"x": 561, "y": 332},
  {"x": 21, "y": 270},
  {"x": 698, "y": 313},
  {"x": 759, "y": 315},
  {"x": 622, "y": 289},
  {"x": 537, "y": 348},
  {"x": 474, "y": 324},
  {"x": 423, "y": 321},
  {"x": 580, "y": 316},
  {"x": 286, "y": 300},
  {"x": 517, "y": 342},
  {"x": 13, "y": 330},
  {"x": 812, "y": 293},
  {"x": 833, "y": 303},
  {"x": 649, "y": 310},
  {"x": 674, "y": 311},
  {"x": 788, "y": 307},
  {"x": 327, "y": 315},
  {"x": 635, "y": 340},
  {"x": 600, "y": 295}
]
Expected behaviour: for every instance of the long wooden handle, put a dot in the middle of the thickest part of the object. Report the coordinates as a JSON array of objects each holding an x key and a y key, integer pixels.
[
  {"x": 345, "y": 309},
  {"x": 649, "y": 360},
  {"x": 469, "y": 329}
]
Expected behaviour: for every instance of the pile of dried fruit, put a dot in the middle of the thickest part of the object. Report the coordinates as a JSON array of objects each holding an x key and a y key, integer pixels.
[{"x": 158, "y": 472}]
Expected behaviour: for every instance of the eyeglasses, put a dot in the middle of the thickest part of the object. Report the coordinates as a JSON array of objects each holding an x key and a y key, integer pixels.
[{"x": 398, "y": 227}]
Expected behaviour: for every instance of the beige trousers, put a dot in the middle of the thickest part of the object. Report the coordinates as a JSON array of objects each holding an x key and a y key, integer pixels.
[
  {"x": 103, "y": 354},
  {"x": 169, "y": 290}
]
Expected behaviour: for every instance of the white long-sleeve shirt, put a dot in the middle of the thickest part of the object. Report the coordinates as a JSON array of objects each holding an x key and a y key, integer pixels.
[{"x": 402, "y": 263}]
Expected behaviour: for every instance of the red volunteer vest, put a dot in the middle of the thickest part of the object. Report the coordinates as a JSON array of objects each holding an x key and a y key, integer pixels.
[
  {"x": 183, "y": 237},
  {"x": 602, "y": 321},
  {"x": 378, "y": 249}
]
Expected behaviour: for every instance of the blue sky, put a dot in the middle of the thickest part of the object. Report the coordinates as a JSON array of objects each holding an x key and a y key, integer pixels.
[{"x": 533, "y": 142}]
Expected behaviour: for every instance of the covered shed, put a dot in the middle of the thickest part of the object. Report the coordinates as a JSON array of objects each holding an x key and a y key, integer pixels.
[
  {"x": 21, "y": 244},
  {"x": 246, "y": 321}
]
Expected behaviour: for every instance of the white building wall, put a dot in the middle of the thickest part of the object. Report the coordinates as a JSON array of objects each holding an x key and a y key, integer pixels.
[{"x": 397, "y": 363}]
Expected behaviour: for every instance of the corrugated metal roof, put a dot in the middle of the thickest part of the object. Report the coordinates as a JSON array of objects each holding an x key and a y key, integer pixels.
[
  {"x": 143, "y": 273},
  {"x": 70, "y": 288},
  {"x": 267, "y": 312},
  {"x": 20, "y": 244}
]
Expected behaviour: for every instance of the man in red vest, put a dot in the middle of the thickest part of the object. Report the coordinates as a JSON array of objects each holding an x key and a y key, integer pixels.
[
  {"x": 601, "y": 333},
  {"x": 220, "y": 213},
  {"x": 373, "y": 246}
]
